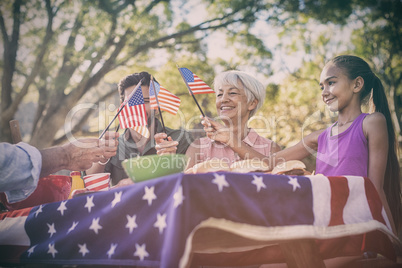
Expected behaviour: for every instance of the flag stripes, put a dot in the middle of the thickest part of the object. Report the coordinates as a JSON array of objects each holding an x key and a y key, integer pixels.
[
  {"x": 132, "y": 225},
  {"x": 133, "y": 114},
  {"x": 142, "y": 130},
  {"x": 195, "y": 83},
  {"x": 167, "y": 101}
]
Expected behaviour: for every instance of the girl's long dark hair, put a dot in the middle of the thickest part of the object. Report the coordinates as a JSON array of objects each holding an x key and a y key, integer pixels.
[{"x": 354, "y": 67}]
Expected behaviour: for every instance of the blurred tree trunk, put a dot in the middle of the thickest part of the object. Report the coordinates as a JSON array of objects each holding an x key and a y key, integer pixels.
[
  {"x": 101, "y": 36},
  {"x": 67, "y": 47},
  {"x": 10, "y": 105},
  {"x": 9, "y": 56}
]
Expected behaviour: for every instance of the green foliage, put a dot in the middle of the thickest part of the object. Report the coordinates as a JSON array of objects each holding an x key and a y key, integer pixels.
[
  {"x": 229, "y": 6},
  {"x": 272, "y": 93},
  {"x": 71, "y": 45},
  {"x": 289, "y": 105},
  {"x": 92, "y": 40},
  {"x": 379, "y": 43}
]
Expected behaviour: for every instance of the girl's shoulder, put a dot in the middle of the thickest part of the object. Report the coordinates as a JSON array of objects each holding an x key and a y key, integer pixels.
[
  {"x": 374, "y": 119},
  {"x": 373, "y": 122}
]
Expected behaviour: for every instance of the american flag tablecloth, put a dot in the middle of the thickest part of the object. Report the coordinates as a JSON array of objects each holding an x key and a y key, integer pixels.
[{"x": 157, "y": 223}]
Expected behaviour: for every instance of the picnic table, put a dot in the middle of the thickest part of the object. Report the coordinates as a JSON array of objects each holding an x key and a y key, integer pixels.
[{"x": 211, "y": 219}]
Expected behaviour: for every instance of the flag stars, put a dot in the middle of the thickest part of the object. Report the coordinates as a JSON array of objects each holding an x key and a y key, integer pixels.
[
  {"x": 90, "y": 203},
  {"x": 140, "y": 251},
  {"x": 131, "y": 224},
  {"x": 294, "y": 183},
  {"x": 52, "y": 250},
  {"x": 52, "y": 229},
  {"x": 83, "y": 249},
  {"x": 31, "y": 250},
  {"x": 160, "y": 222},
  {"x": 117, "y": 198},
  {"x": 149, "y": 194},
  {"x": 220, "y": 181},
  {"x": 75, "y": 223},
  {"x": 95, "y": 226},
  {"x": 62, "y": 207},
  {"x": 39, "y": 210},
  {"x": 178, "y": 197},
  {"x": 258, "y": 182},
  {"x": 112, "y": 250}
]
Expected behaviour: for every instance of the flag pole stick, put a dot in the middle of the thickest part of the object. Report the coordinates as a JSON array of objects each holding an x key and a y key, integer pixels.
[
  {"x": 121, "y": 108},
  {"x": 191, "y": 92},
  {"x": 157, "y": 103}
]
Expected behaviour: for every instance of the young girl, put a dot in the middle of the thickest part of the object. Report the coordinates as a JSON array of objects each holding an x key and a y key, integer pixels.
[
  {"x": 366, "y": 142},
  {"x": 358, "y": 143}
]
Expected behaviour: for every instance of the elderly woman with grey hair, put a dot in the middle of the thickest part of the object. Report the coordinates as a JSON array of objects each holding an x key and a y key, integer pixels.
[{"x": 238, "y": 97}]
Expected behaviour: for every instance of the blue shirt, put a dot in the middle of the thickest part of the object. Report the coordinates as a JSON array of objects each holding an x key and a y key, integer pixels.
[{"x": 20, "y": 166}]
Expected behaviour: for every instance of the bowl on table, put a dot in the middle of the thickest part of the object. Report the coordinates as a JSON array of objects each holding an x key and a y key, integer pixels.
[
  {"x": 154, "y": 166},
  {"x": 52, "y": 188}
]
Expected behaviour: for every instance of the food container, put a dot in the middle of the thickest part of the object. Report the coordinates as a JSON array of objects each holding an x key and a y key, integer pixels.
[{"x": 154, "y": 166}]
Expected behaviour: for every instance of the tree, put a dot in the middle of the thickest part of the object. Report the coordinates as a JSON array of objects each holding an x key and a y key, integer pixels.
[
  {"x": 376, "y": 37},
  {"x": 379, "y": 41},
  {"x": 59, "y": 50},
  {"x": 62, "y": 49}
]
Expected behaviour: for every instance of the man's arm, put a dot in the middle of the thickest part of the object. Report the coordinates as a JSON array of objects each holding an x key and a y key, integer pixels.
[
  {"x": 78, "y": 155},
  {"x": 110, "y": 139},
  {"x": 20, "y": 166}
]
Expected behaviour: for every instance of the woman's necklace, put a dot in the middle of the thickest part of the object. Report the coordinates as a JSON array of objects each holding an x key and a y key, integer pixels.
[{"x": 342, "y": 124}]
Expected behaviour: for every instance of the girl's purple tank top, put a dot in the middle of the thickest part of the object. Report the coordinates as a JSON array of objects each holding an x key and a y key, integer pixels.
[{"x": 345, "y": 153}]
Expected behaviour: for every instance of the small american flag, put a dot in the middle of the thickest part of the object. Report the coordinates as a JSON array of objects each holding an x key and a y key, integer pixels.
[
  {"x": 167, "y": 101},
  {"x": 196, "y": 85},
  {"x": 133, "y": 114},
  {"x": 142, "y": 130}
]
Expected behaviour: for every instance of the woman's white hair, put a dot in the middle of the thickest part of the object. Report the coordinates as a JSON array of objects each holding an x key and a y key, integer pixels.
[{"x": 252, "y": 87}]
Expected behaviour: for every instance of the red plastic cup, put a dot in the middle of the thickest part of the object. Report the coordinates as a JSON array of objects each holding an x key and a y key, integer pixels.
[
  {"x": 97, "y": 181},
  {"x": 53, "y": 188}
]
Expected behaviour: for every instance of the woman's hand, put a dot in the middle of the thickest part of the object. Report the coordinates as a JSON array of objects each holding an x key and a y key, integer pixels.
[
  {"x": 165, "y": 144},
  {"x": 216, "y": 131}
]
